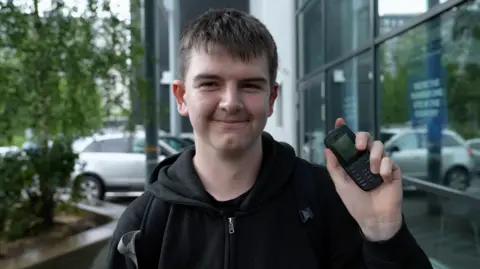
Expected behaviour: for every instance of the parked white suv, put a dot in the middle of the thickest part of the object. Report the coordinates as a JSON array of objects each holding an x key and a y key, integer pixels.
[
  {"x": 408, "y": 148},
  {"x": 114, "y": 162}
]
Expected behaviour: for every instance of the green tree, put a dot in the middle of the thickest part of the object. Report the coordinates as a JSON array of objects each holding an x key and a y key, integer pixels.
[
  {"x": 61, "y": 72},
  {"x": 464, "y": 71},
  {"x": 396, "y": 65}
]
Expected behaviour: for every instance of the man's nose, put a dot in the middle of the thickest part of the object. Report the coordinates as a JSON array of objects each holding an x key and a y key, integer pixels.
[{"x": 231, "y": 99}]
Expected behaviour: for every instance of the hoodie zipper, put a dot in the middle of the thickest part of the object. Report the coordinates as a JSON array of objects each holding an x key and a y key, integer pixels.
[{"x": 230, "y": 243}]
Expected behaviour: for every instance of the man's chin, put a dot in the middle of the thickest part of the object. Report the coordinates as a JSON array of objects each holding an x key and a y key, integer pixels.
[{"x": 231, "y": 143}]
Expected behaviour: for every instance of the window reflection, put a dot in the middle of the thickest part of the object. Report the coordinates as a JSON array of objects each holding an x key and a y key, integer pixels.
[
  {"x": 350, "y": 93},
  {"x": 314, "y": 126},
  {"x": 429, "y": 80},
  {"x": 394, "y": 13},
  {"x": 429, "y": 109},
  {"x": 348, "y": 26},
  {"x": 310, "y": 38}
]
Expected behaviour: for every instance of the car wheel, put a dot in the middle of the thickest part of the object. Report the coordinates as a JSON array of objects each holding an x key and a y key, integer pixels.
[
  {"x": 458, "y": 178},
  {"x": 91, "y": 188}
]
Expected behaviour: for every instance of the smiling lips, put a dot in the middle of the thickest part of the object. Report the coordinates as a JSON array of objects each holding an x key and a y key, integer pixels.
[
  {"x": 233, "y": 124},
  {"x": 232, "y": 121}
]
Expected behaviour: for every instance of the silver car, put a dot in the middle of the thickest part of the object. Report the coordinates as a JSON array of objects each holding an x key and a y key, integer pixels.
[
  {"x": 114, "y": 162},
  {"x": 474, "y": 145},
  {"x": 408, "y": 148}
]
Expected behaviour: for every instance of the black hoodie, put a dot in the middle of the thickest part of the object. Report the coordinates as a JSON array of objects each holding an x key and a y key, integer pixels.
[{"x": 260, "y": 229}]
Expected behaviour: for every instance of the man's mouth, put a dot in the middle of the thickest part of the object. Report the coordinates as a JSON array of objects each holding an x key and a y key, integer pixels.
[{"x": 232, "y": 121}]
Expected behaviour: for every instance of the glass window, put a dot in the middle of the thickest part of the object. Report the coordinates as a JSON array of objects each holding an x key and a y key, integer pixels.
[
  {"x": 300, "y": 3},
  {"x": 475, "y": 146},
  {"x": 93, "y": 146},
  {"x": 175, "y": 143},
  {"x": 138, "y": 145},
  {"x": 116, "y": 145},
  {"x": 450, "y": 238},
  {"x": 394, "y": 13},
  {"x": 350, "y": 93},
  {"x": 385, "y": 136},
  {"x": 165, "y": 152},
  {"x": 429, "y": 80},
  {"x": 408, "y": 141},
  {"x": 313, "y": 117},
  {"x": 81, "y": 144},
  {"x": 449, "y": 141},
  {"x": 310, "y": 38},
  {"x": 348, "y": 26}
]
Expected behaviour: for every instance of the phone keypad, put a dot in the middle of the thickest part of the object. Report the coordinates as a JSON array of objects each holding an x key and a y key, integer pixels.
[{"x": 362, "y": 175}]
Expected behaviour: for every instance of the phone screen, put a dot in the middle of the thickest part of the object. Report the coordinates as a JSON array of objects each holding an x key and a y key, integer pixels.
[{"x": 345, "y": 147}]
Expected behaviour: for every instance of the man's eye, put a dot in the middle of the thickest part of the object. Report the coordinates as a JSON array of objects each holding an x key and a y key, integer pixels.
[
  {"x": 208, "y": 84},
  {"x": 252, "y": 87}
]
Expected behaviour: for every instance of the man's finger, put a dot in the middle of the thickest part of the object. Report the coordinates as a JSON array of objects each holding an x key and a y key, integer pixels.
[
  {"x": 386, "y": 169},
  {"x": 333, "y": 166},
  {"x": 376, "y": 156},
  {"x": 396, "y": 172},
  {"x": 339, "y": 122},
  {"x": 362, "y": 141}
]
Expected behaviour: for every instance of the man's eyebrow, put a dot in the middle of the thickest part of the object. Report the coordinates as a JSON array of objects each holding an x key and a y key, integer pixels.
[
  {"x": 202, "y": 76},
  {"x": 255, "y": 80},
  {"x": 205, "y": 76}
]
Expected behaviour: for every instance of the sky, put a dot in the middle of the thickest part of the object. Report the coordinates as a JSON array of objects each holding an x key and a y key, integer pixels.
[{"x": 402, "y": 6}]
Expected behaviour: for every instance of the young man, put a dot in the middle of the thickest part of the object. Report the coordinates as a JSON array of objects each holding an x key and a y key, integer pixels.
[{"x": 231, "y": 201}]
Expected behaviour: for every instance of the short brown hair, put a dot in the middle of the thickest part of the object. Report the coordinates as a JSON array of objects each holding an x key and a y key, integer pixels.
[{"x": 242, "y": 35}]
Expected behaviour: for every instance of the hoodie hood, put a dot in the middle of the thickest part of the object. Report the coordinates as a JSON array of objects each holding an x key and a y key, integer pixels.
[{"x": 175, "y": 180}]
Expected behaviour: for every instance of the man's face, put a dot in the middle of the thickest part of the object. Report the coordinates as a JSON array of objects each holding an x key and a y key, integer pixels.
[{"x": 227, "y": 100}]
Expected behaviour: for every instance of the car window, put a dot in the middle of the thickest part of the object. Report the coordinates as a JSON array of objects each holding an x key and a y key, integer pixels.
[
  {"x": 384, "y": 137},
  {"x": 93, "y": 147},
  {"x": 449, "y": 141},
  {"x": 81, "y": 144},
  {"x": 139, "y": 147},
  {"x": 165, "y": 152},
  {"x": 186, "y": 141},
  {"x": 175, "y": 143},
  {"x": 475, "y": 145},
  {"x": 189, "y": 141},
  {"x": 115, "y": 145},
  {"x": 409, "y": 141}
]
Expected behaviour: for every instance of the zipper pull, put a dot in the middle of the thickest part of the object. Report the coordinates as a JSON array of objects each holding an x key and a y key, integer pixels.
[{"x": 231, "y": 225}]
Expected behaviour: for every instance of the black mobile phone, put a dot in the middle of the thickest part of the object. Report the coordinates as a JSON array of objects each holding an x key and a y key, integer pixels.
[{"x": 341, "y": 141}]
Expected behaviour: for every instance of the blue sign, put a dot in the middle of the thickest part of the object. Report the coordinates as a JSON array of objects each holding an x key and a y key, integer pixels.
[
  {"x": 350, "y": 111},
  {"x": 426, "y": 95}
]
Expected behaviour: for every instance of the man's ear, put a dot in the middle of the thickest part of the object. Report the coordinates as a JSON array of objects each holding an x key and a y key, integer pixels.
[
  {"x": 273, "y": 97},
  {"x": 178, "y": 88}
]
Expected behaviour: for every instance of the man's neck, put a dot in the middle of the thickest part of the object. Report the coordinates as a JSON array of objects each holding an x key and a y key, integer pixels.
[{"x": 228, "y": 178}]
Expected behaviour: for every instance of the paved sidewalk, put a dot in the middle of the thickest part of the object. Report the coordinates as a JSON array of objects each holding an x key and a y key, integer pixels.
[
  {"x": 113, "y": 210},
  {"x": 100, "y": 262}
]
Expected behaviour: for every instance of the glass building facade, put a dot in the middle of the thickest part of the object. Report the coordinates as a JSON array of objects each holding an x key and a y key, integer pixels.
[{"x": 408, "y": 72}]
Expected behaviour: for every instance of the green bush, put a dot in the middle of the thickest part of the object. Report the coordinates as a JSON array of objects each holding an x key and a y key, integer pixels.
[{"x": 29, "y": 184}]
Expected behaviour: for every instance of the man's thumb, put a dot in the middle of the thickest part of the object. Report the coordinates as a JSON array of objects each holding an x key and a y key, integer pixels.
[{"x": 333, "y": 166}]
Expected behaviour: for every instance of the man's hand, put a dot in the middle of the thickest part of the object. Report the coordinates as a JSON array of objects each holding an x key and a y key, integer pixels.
[{"x": 378, "y": 212}]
